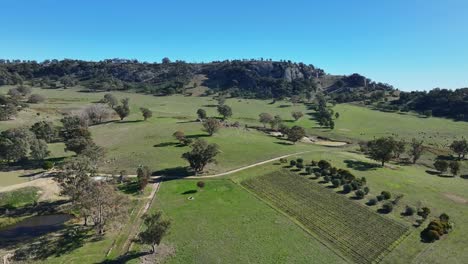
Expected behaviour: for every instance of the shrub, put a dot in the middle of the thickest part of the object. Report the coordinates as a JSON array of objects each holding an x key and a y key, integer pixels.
[
  {"x": 323, "y": 164},
  {"x": 309, "y": 170},
  {"x": 313, "y": 163},
  {"x": 380, "y": 198},
  {"x": 47, "y": 165},
  {"x": 200, "y": 184},
  {"x": 292, "y": 163},
  {"x": 336, "y": 183},
  {"x": 386, "y": 195},
  {"x": 300, "y": 160},
  {"x": 441, "y": 165},
  {"x": 317, "y": 174},
  {"x": 431, "y": 235},
  {"x": 372, "y": 201},
  {"x": 409, "y": 210},
  {"x": 444, "y": 217},
  {"x": 387, "y": 207},
  {"x": 424, "y": 212},
  {"x": 366, "y": 190},
  {"x": 347, "y": 188},
  {"x": 36, "y": 98},
  {"x": 355, "y": 185},
  {"x": 283, "y": 160},
  {"x": 299, "y": 165},
  {"x": 360, "y": 194},
  {"x": 326, "y": 179},
  {"x": 333, "y": 171}
]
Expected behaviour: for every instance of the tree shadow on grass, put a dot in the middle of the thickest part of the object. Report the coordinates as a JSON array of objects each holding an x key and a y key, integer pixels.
[
  {"x": 284, "y": 106},
  {"x": 41, "y": 208},
  {"x": 125, "y": 258},
  {"x": 360, "y": 165},
  {"x": 432, "y": 172},
  {"x": 176, "y": 172},
  {"x": 197, "y": 136},
  {"x": 63, "y": 242},
  {"x": 129, "y": 121},
  {"x": 210, "y": 105},
  {"x": 190, "y": 192},
  {"x": 131, "y": 187},
  {"x": 284, "y": 143},
  {"x": 464, "y": 176}
]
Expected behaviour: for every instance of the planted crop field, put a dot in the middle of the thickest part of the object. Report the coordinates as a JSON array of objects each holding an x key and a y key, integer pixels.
[{"x": 358, "y": 233}]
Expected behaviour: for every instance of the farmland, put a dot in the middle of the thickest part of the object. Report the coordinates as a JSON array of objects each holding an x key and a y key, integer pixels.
[{"x": 357, "y": 232}]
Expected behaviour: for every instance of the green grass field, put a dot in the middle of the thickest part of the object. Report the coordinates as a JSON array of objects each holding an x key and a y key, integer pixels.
[
  {"x": 224, "y": 223},
  {"x": 359, "y": 233},
  {"x": 228, "y": 220}
]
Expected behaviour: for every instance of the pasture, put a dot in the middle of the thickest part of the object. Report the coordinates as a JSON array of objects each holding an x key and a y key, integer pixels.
[
  {"x": 357, "y": 232},
  {"x": 224, "y": 223}
]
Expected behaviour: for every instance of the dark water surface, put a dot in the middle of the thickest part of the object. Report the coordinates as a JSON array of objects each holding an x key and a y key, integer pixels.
[{"x": 33, "y": 227}]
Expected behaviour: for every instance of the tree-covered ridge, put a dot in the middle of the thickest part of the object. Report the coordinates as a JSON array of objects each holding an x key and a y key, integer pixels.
[
  {"x": 437, "y": 102},
  {"x": 247, "y": 78}
]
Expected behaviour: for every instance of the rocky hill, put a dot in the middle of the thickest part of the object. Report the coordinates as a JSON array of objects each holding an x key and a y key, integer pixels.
[{"x": 250, "y": 78}]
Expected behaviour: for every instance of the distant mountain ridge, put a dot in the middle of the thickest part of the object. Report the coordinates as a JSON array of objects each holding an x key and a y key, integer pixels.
[{"x": 253, "y": 78}]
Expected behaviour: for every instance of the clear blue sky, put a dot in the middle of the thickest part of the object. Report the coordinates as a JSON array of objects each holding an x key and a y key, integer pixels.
[{"x": 412, "y": 44}]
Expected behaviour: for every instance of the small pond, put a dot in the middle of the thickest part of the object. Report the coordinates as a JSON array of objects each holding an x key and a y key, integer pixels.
[{"x": 32, "y": 227}]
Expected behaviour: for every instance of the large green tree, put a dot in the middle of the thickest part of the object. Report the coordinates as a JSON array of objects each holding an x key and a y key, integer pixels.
[
  {"x": 201, "y": 154},
  {"x": 382, "y": 149},
  {"x": 156, "y": 229}
]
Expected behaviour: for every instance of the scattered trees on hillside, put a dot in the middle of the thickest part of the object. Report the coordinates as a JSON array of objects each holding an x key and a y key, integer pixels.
[
  {"x": 36, "y": 99},
  {"x": 180, "y": 136},
  {"x": 382, "y": 149},
  {"x": 416, "y": 150},
  {"x": 75, "y": 134},
  {"x": 460, "y": 147},
  {"x": 265, "y": 118},
  {"x": 45, "y": 130},
  {"x": 211, "y": 125},
  {"x": 441, "y": 165},
  {"x": 17, "y": 143},
  {"x": 201, "y": 154},
  {"x": 39, "y": 149},
  {"x": 454, "y": 167},
  {"x": 295, "y": 133},
  {"x": 110, "y": 100},
  {"x": 92, "y": 199},
  {"x": 146, "y": 113},
  {"x": 276, "y": 122},
  {"x": 156, "y": 229},
  {"x": 143, "y": 176},
  {"x": 123, "y": 110},
  {"x": 95, "y": 114},
  {"x": 225, "y": 111},
  {"x": 297, "y": 115},
  {"x": 201, "y": 113}
]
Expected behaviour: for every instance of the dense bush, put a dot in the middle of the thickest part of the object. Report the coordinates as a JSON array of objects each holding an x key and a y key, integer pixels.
[
  {"x": 336, "y": 183},
  {"x": 437, "y": 228},
  {"x": 313, "y": 163},
  {"x": 200, "y": 184},
  {"x": 386, "y": 195},
  {"x": 360, "y": 194},
  {"x": 372, "y": 201},
  {"x": 309, "y": 170},
  {"x": 380, "y": 198},
  {"x": 292, "y": 163},
  {"x": 347, "y": 188},
  {"x": 300, "y": 160},
  {"x": 36, "y": 98},
  {"x": 387, "y": 207},
  {"x": 283, "y": 160},
  {"x": 323, "y": 164},
  {"x": 47, "y": 165},
  {"x": 409, "y": 211}
]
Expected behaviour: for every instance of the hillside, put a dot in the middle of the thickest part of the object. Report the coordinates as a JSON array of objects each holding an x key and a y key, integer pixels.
[{"x": 248, "y": 78}]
